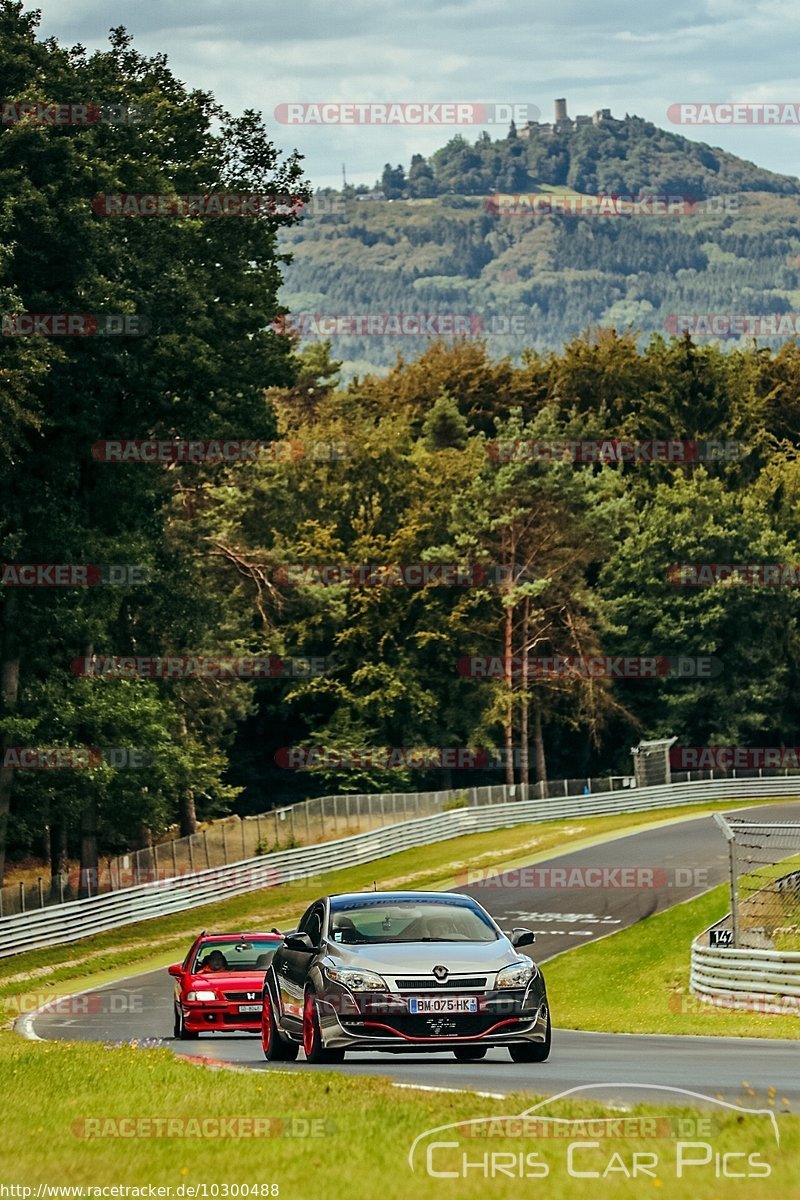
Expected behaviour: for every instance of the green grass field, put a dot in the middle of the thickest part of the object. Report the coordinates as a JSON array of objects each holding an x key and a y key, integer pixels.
[
  {"x": 332, "y": 1136},
  {"x": 643, "y": 977}
]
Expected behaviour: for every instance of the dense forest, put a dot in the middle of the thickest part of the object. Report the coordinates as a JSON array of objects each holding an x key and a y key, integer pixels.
[{"x": 402, "y": 467}]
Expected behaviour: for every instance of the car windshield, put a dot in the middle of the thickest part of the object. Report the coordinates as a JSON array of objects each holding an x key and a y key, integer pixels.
[
  {"x": 372, "y": 921},
  {"x": 235, "y": 955}
]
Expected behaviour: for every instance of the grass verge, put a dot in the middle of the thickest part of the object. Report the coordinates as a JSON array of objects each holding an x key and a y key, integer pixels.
[
  {"x": 640, "y": 981},
  {"x": 362, "y": 1130}
]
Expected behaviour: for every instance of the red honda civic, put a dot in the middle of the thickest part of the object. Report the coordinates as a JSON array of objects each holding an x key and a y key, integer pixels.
[{"x": 218, "y": 985}]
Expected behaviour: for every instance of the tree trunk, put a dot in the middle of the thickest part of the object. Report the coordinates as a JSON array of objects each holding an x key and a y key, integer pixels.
[
  {"x": 9, "y": 695},
  {"x": 525, "y": 701},
  {"x": 88, "y": 882},
  {"x": 59, "y": 862},
  {"x": 509, "y": 722},
  {"x": 538, "y": 742},
  {"x": 187, "y": 814},
  {"x": 89, "y": 856}
]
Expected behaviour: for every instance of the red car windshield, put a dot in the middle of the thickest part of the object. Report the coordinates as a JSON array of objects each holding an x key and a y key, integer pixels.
[{"x": 233, "y": 955}]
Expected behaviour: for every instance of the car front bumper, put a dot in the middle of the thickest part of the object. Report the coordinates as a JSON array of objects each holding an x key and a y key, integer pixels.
[{"x": 382, "y": 1021}]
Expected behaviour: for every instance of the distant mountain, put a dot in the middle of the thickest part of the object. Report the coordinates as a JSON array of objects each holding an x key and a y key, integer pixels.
[{"x": 428, "y": 241}]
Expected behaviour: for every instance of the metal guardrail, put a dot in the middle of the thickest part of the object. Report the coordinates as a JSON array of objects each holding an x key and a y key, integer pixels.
[
  {"x": 744, "y": 977},
  {"x": 232, "y": 839},
  {"x": 78, "y": 919}
]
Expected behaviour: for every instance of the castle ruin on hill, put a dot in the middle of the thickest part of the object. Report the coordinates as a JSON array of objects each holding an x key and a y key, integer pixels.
[{"x": 565, "y": 124}]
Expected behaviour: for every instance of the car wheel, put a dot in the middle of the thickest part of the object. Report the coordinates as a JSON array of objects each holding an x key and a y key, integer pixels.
[
  {"x": 532, "y": 1051},
  {"x": 314, "y": 1049},
  {"x": 274, "y": 1047},
  {"x": 469, "y": 1053},
  {"x": 179, "y": 1027}
]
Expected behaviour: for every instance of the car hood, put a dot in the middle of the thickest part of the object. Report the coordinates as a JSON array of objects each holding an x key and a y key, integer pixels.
[
  {"x": 422, "y": 957},
  {"x": 228, "y": 981}
]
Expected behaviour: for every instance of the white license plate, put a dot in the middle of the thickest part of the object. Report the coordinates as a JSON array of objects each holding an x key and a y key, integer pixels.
[
  {"x": 249, "y": 1008},
  {"x": 443, "y": 1004}
]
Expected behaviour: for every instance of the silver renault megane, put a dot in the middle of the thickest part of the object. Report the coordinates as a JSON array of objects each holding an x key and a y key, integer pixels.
[{"x": 400, "y": 972}]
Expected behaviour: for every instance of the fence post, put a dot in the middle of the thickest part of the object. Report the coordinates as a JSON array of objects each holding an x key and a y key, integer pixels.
[
  {"x": 258, "y": 829},
  {"x": 308, "y": 820},
  {"x": 191, "y": 852},
  {"x": 60, "y": 891},
  {"x": 291, "y": 818},
  {"x": 335, "y": 815},
  {"x": 225, "y": 843},
  {"x": 155, "y": 863},
  {"x": 244, "y": 848},
  {"x": 22, "y": 896},
  {"x": 41, "y": 893},
  {"x": 734, "y": 891},
  {"x": 277, "y": 834},
  {"x": 205, "y": 843}
]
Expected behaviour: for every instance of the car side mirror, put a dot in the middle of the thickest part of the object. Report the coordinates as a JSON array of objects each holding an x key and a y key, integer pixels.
[
  {"x": 301, "y": 942},
  {"x": 176, "y": 969},
  {"x": 522, "y": 937}
]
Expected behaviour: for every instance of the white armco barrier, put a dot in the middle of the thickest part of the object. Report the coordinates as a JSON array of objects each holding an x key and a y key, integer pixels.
[{"x": 78, "y": 919}]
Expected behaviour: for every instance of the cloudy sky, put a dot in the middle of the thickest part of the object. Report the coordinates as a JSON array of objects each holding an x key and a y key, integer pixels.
[{"x": 626, "y": 56}]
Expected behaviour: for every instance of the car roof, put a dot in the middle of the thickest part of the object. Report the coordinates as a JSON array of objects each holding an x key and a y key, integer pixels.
[
  {"x": 397, "y": 897},
  {"x": 226, "y": 937}
]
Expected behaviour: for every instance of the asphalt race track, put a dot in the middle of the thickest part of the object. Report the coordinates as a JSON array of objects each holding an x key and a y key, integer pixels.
[{"x": 670, "y": 864}]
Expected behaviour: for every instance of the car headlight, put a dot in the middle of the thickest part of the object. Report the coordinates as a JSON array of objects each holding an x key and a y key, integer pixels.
[
  {"x": 357, "y": 980},
  {"x": 191, "y": 996},
  {"x": 518, "y": 975}
]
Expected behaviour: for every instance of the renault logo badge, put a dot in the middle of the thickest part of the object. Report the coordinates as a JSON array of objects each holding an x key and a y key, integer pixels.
[{"x": 441, "y": 973}]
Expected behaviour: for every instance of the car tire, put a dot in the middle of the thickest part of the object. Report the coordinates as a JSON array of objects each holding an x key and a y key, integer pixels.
[
  {"x": 533, "y": 1051},
  {"x": 274, "y": 1047},
  {"x": 179, "y": 1030},
  {"x": 469, "y": 1053},
  {"x": 315, "y": 1051}
]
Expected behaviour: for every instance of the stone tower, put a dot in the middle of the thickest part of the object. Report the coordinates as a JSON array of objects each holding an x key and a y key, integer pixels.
[{"x": 561, "y": 111}]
